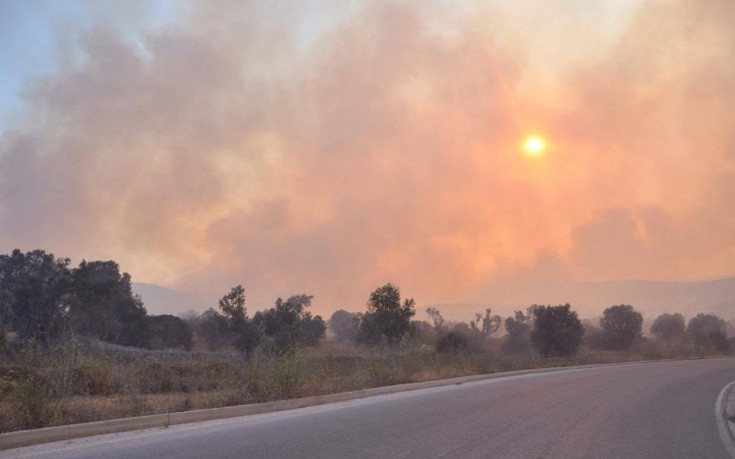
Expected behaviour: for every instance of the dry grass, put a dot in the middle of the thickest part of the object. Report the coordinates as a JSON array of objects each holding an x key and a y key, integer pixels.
[{"x": 102, "y": 389}]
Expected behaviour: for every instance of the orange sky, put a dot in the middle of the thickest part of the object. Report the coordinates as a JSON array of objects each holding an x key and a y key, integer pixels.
[{"x": 331, "y": 150}]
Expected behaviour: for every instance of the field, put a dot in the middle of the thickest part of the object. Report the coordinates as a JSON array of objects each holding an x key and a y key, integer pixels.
[{"x": 82, "y": 381}]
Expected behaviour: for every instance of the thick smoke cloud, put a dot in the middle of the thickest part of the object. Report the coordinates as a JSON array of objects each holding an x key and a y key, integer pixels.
[{"x": 246, "y": 145}]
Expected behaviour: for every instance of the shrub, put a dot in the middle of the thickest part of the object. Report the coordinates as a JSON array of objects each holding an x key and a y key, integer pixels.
[{"x": 452, "y": 343}]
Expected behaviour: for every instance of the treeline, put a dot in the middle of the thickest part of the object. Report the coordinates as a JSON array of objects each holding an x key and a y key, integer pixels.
[
  {"x": 547, "y": 331},
  {"x": 289, "y": 324},
  {"x": 43, "y": 297},
  {"x": 544, "y": 330},
  {"x": 280, "y": 329}
]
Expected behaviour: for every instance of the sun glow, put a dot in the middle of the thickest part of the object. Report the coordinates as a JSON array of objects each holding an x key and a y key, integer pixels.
[{"x": 534, "y": 145}]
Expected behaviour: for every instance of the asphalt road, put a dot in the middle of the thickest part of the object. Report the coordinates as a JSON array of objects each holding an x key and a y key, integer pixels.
[{"x": 652, "y": 410}]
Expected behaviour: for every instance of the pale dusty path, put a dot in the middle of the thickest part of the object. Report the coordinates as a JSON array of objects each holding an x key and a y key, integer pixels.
[{"x": 657, "y": 410}]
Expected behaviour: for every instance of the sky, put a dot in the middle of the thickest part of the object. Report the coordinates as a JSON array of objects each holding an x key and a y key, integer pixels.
[{"x": 329, "y": 147}]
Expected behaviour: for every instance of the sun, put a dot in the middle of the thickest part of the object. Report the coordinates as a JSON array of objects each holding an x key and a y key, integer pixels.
[{"x": 534, "y": 145}]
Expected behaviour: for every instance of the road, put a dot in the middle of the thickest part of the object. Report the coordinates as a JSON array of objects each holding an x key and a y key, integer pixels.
[{"x": 651, "y": 410}]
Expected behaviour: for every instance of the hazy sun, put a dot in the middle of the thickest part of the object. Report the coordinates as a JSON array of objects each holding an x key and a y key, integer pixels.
[{"x": 534, "y": 145}]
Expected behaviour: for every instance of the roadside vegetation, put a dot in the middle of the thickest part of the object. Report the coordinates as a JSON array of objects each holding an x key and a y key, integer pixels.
[{"x": 76, "y": 345}]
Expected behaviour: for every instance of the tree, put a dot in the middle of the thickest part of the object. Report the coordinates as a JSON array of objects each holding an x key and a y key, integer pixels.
[
  {"x": 232, "y": 305},
  {"x": 557, "y": 330},
  {"x": 669, "y": 327},
  {"x": 386, "y": 317},
  {"x": 289, "y": 324},
  {"x": 344, "y": 326},
  {"x": 452, "y": 342},
  {"x": 518, "y": 329},
  {"x": 708, "y": 330},
  {"x": 621, "y": 324},
  {"x": 40, "y": 297},
  {"x": 169, "y": 332},
  {"x": 102, "y": 304},
  {"x": 436, "y": 319},
  {"x": 245, "y": 334},
  {"x": 213, "y": 329},
  {"x": 34, "y": 293},
  {"x": 313, "y": 329},
  {"x": 486, "y": 324}
]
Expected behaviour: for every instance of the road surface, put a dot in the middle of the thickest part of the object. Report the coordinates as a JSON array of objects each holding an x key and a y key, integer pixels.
[{"x": 652, "y": 410}]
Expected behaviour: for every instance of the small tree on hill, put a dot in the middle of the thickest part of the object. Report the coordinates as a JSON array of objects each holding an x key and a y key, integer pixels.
[
  {"x": 557, "y": 330},
  {"x": 669, "y": 327},
  {"x": 386, "y": 317},
  {"x": 621, "y": 325}
]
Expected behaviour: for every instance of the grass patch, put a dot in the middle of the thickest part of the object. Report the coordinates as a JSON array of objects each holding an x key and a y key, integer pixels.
[{"x": 73, "y": 386}]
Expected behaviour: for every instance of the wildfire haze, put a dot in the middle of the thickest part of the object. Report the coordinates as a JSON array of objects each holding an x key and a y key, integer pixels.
[{"x": 328, "y": 147}]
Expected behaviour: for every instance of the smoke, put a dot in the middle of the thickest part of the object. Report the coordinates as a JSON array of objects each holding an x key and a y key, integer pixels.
[{"x": 252, "y": 143}]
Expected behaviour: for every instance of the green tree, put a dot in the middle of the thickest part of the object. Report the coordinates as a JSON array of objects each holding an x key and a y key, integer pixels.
[
  {"x": 344, "y": 326},
  {"x": 313, "y": 329},
  {"x": 245, "y": 334},
  {"x": 213, "y": 328},
  {"x": 518, "y": 329},
  {"x": 169, "y": 332},
  {"x": 386, "y": 316},
  {"x": 708, "y": 330},
  {"x": 452, "y": 342},
  {"x": 40, "y": 297},
  {"x": 102, "y": 304},
  {"x": 289, "y": 324},
  {"x": 34, "y": 293},
  {"x": 622, "y": 324},
  {"x": 557, "y": 331},
  {"x": 669, "y": 327}
]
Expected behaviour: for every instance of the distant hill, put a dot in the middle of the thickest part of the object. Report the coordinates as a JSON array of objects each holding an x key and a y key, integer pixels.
[
  {"x": 590, "y": 298},
  {"x": 162, "y": 300}
]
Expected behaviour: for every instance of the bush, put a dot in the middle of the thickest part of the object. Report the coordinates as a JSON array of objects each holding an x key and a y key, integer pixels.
[
  {"x": 93, "y": 377},
  {"x": 31, "y": 391},
  {"x": 452, "y": 343}
]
